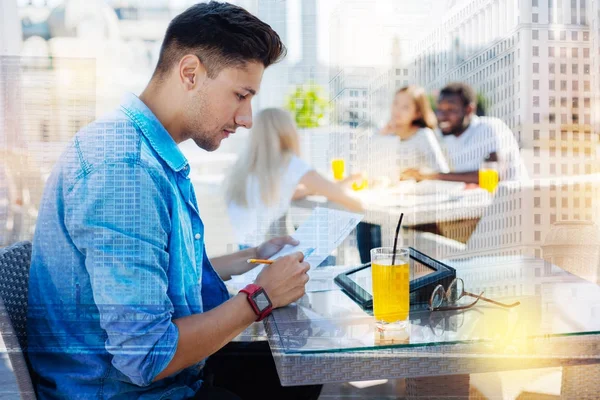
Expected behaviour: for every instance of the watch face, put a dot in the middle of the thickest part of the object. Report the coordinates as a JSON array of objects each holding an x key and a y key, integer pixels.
[{"x": 261, "y": 300}]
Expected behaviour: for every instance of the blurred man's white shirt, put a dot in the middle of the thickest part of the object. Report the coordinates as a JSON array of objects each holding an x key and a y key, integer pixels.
[{"x": 485, "y": 135}]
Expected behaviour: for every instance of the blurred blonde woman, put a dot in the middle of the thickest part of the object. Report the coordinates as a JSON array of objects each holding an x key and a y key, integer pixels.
[{"x": 269, "y": 175}]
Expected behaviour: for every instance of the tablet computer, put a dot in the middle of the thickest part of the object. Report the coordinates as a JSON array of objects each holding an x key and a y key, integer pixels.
[{"x": 426, "y": 274}]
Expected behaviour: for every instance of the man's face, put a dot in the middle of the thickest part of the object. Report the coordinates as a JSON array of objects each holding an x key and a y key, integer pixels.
[
  {"x": 452, "y": 114},
  {"x": 220, "y": 105}
]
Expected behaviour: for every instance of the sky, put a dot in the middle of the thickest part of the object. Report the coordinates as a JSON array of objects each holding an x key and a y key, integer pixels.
[{"x": 404, "y": 18}]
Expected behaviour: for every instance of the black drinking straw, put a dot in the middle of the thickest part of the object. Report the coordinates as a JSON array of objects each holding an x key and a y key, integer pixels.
[{"x": 396, "y": 239}]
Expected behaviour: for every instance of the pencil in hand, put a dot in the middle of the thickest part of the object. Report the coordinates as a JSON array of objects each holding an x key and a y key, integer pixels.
[{"x": 259, "y": 261}]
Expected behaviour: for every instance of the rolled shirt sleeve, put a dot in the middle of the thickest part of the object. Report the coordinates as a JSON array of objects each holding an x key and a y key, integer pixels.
[{"x": 118, "y": 217}]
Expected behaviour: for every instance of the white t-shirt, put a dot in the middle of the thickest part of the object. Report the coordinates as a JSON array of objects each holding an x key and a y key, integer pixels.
[
  {"x": 485, "y": 135},
  {"x": 252, "y": 223},
  {"x": 389, "y": 155}
]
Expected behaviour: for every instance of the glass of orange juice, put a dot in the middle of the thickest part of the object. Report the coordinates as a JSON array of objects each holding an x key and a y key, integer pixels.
[
  {"x": 488, "y": 176},
  {"x": 338, "y": 166},
  {"x": 391, "y": 287}
]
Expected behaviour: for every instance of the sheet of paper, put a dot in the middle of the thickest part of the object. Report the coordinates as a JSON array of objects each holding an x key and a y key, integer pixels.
[{"x": 323, "y": 231}]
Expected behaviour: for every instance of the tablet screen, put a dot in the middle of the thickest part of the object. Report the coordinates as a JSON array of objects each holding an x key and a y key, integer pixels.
[{"x": 363, "y": 277}]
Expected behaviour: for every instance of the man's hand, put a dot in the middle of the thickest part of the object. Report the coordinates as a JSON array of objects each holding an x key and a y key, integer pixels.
[
  {"x": 284, "y": 280},
  {"x": 271, "y": 247}
]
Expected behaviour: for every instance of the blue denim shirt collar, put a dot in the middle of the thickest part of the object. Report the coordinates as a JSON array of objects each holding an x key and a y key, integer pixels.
[{"x": 160, "y": 140}]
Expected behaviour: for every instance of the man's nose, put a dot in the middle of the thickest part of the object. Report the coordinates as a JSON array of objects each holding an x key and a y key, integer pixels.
[{"x": 244, "y": 117}]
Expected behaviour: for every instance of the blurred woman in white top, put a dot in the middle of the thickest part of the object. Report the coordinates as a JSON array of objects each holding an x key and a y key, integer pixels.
[
  {"x": 406, "y": 143},
  {"x": 408, "y": 140},
  {"x": 269, "y": 175}
]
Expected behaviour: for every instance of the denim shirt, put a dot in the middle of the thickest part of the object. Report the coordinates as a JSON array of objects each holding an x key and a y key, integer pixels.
[{"x": 118, "y": 254}]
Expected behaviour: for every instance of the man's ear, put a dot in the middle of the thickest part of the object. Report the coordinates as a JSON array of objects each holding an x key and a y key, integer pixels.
[
  {"x": 191, "y": 71},
  {"x": 471, "y": 108}
]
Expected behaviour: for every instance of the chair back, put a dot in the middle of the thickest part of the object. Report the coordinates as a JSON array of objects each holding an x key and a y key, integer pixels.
[{"x": 14, "y": 285}]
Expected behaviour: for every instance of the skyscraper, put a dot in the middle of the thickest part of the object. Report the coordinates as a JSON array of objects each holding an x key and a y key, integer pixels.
[{"x": 533, "y": 62}]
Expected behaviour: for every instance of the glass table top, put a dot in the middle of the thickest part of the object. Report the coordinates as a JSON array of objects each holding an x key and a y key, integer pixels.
[{"x": 553, "y": 302}]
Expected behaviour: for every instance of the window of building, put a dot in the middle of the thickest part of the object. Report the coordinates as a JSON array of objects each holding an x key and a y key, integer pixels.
[
  {"x": 563, "y": 34},
  {"x": 551, "y": 35},
  {"x": 536, "y": 101},
  {"x": 575, "y": 167},
  {"x": 563, "y": 85},
  {"x": 565, "y": 202},
  {"x": 536, "y": 168},
  {"x": 574, "y": 35},
  {"x": 563, "y": 101},
  {"x": 552, "y": 101},
  {"x": 586, "y": 36},
  {"x": 563, "y": 118},
  {"x": 551, "y": 84},
  {"x": 586, "y": 102},
  {"x": 537, "y": 237},
  {"x": 574, "y": 68},
  {"x": 564, "y": 169},
  {"x": 552, "y": 218},
  {"x": 551, "y": 68},
  {"x": 563, "y": 68},
  {"x": 536, "y": 51},
  {"x": 552, "y": 136},
  {"x": 575, "y": 85},
  {"x": 552, "y": 199},
  {"x": 586, "y": 86},
  {"x": 537, "y": 202},
  {"x": 563, "y": 151},
  {"x": 586, "y": 53},
  {"x": 536, "y": 84},
  {"x": 575, "y": 52},
  {"x": 534, "y": 3},
  {"x": 551, "y": 118},
  {"x": 575, "y": 118},
  {"x": 536, "y": 68},
  {"x": 586, "y": 69},
  {"x": 536, "y": 151},
  {"x": 563, "y": 52},
  {"x": 551, "y": 51},
  {"x": 535, "y": 18}
]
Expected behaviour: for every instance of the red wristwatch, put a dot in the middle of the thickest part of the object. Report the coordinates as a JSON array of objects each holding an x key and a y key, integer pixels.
[{"x": 258, "y": 299}]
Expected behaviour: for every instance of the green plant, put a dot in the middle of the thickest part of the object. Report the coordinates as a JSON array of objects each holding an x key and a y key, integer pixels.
[{"x": 308, "y": 105}]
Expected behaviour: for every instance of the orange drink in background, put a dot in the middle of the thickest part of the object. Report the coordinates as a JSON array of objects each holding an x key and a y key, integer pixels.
[
  {"x": 488, "y": 176},
  {"x": 338, "y": 166}
]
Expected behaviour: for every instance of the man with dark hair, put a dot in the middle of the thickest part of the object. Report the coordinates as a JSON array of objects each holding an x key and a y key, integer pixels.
[
  {"x": 123, "y": 300},
  {"x": 468, "y": 140}
]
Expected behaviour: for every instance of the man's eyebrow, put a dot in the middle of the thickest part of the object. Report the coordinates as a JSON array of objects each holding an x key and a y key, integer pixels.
[{"x": 249, "y": 89}]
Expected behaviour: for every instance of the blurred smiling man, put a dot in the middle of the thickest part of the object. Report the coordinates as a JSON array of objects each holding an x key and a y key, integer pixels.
[
  {"x": 123, "y": 300},
  {"x": 469, "y": 140}
]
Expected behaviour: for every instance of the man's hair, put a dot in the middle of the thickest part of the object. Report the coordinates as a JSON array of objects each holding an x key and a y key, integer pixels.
[
  {"x": 221, "y": 35},
  {"x": 461, "y": 89}
]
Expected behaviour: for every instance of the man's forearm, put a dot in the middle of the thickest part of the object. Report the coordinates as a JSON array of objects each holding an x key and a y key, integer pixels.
[
  {"x": 233, "y": 264},
  {"x": 467, "y": 177},
  {"x": 201, "y": 335}
]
